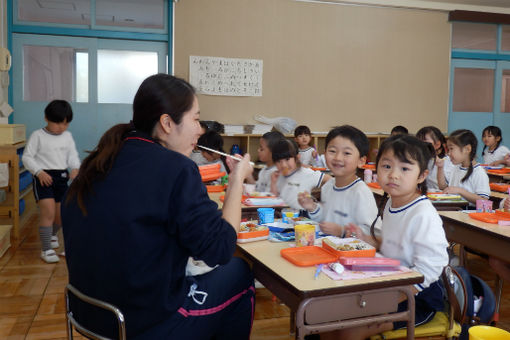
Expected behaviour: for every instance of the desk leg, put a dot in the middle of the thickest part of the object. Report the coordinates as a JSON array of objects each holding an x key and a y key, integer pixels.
[{"x": 292, "y": 330}]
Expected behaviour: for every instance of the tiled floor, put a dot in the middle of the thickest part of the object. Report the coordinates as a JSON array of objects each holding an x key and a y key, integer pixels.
[{"x": 32, "y": 302}]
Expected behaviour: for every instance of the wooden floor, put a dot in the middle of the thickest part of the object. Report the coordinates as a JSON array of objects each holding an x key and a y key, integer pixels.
[{"x": 32, "y": 303}]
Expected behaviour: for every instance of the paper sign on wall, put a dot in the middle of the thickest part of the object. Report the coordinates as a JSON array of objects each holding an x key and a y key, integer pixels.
[{"x": 226, "y": 76}]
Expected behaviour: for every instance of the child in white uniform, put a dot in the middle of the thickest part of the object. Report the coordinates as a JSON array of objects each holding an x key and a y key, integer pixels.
[
  {"x": 212, "y": 140},
  {"x": 307, "y": 154},
  {"x": 48, "y": 155},
  {"x": 434, "y": 136},
  {"x": 266, "y": 144},
  {"x": 468, "y": 178},
  {"x": 291, "y": 178},
  {"x": 412, "y": 230},
  {"x": 344, "y": 198},
  {"x": 493, "y": 152}
]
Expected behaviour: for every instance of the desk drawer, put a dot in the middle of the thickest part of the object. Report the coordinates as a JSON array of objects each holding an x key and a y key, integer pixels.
[{"x": 349, "y": 306}]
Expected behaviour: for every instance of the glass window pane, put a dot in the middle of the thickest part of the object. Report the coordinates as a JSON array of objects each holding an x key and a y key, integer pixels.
[
  {"x": 473, "y": 90},
  {"x": 129, "y": 13},
  {"x": 49, "y": 73},
  {"x": 505, "y": 38},
  {"x": 474, "y": 36},
  {"x": 76, "y": 12},
  {"x": 505, "y": 91},
  {"x": 120, "y": 73},
  {"x": 82, "y": 77}
]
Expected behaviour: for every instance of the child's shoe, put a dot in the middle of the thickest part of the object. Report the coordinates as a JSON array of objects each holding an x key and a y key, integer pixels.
[
  {"x": 54, "y": 242},
  {"x": 49, "y": 256}
]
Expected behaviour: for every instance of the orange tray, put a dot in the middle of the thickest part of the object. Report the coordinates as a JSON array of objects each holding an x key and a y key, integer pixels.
[
  {"x": 318, "y": 169},
  {"x": 501, "y": 187},
  {"x": 349, "y": 253},
  {"x": 213, "y": 176},
  {"x": 307, "y": 256},
  {"x": 374, "y": 185},
  {"x": 490, "y": 217},
  {"x": 368, "y": 166},
  {"x": 243, "y": 235},
  {"x": 499, "y": 171},
  {"x": 215, "y": 188}
]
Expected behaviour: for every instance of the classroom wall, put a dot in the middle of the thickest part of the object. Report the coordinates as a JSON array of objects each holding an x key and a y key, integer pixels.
[{"x": 324, "y": 64}]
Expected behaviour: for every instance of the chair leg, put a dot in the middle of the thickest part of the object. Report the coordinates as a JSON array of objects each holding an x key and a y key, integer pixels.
[
  {"x": 499, "y": 291},
  {"x": 69, "y": 328}
]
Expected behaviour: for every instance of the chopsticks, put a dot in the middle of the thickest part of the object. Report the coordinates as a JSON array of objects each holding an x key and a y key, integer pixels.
[{"x": 221, "y": 153}]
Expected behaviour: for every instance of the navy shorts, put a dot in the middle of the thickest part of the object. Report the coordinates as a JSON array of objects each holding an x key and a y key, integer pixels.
[{"x": 56, "y": 190}]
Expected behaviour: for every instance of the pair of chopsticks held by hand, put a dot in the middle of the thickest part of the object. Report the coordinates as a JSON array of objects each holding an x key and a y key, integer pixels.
[{"x": 221, "y": 153}]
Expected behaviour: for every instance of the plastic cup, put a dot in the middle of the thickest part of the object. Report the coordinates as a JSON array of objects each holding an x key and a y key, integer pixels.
[
  {"x": 488, "y": 333},
  {"x": 487, "y": 205},
  {"x": 286, "y": 213},
  {"x": 305, "y": 235},
  {"x": 266, "y": 215}
]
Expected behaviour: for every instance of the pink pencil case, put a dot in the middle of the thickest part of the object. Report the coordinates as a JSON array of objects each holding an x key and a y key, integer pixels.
[{"x": 369, "y": 263}]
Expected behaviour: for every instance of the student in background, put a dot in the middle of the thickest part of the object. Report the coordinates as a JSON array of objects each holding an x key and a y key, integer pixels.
[
  {"x": 265, "y": 155},
  {"x": 307, "y": 154},
  {"x": 196, "y": 155},
  {"x": 412, "y": 230},
  {"x": 138, "y": 210},
  {"x": 399, "y": 130},
  {"x": 345, "y": 198},
  {"x": 468, "y": 178},
  {"x": 493, "y": 152},
  {"x": 48, "y": 155},
  {"x": 212, "y": 140},
  {"x": 291, "y": 178},
  {"x": 433, "y": 135}
]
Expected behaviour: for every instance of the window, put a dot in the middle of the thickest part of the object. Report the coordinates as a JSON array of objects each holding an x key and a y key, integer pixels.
[
  {"x": 473, "y": 90},
  {"x": 474, "y": 36}
]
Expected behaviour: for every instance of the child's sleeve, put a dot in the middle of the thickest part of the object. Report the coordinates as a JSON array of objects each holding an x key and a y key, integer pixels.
[
  {"x": 426, "y": 236},
  {"x": 73, "y": 160},
  {"x": 28, "y": 158},
  {"x": 480, "y": 182},
  {"x": 365, "y": 210}
]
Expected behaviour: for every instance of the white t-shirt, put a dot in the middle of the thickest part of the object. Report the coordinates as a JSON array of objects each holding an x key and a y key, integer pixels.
[
  {"x": 47, "y": 151},
  {"x": 264, "y": 180},
  {"x": 498, "y": 154},
  {"x": 353, "y": 203},
  {"x": 196, "y": 156},
  {"x": 305, "y": 156},
  {"x": 303, "y": 179},
  {"x": 477, "y": 183},
  {"x": 414, "y": 235},
  {"x": 432, "y": 177}
]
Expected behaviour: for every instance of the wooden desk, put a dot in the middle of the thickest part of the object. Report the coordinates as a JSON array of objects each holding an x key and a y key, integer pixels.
[
  {"x": 324, "y": 305},
  {"x": 487, "y": 238},
  {"x": 497, "y": 178}
]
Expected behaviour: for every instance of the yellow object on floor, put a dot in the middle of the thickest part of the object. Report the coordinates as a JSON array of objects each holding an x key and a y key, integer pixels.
[
  {"x": 438, "y": 326},
  {"x": 488, "y": 333}
]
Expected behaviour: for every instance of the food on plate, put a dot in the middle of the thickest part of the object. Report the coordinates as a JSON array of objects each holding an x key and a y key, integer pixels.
[
  {"x": 251, "y": 227},
  {"x": 351, "y": 245}
]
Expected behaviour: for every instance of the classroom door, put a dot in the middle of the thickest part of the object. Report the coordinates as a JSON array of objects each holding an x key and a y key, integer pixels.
[
  {"x": 98, "y": 76},
  {"x": 472, "y": 96}
]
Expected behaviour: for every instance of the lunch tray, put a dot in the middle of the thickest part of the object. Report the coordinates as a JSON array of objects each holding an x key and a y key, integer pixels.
[
  {"x": 490, "y": 217},
  {"x": 374, "y": 185},
  {"x": 499, "y": 171},
  {"x": 501, "y": 187},
  {"x": 307, "y": 256}
]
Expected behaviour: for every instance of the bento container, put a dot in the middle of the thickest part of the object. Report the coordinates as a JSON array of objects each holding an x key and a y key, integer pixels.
[
  {"x": 347, "y": 247},
  {"x": 251, "y": 231}
]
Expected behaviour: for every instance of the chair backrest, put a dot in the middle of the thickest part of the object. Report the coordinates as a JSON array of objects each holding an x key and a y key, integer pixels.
[
  {"x": 456, "y": 294},
  {"x": 71, "y": 321}
]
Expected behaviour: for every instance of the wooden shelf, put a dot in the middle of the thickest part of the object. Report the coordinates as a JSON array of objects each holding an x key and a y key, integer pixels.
[
  {"x": 249, "y": 143},
  {"x": 9, "y": 209}
]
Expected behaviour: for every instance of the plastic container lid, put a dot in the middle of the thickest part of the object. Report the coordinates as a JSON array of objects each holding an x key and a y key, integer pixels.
[{"x": 307, "y": 256}]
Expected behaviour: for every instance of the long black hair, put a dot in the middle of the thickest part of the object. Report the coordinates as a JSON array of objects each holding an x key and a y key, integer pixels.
[
  {"x": 407, "y": 149},
  {"x": 436, "y": 135},
  {"x": 462, "y": 138}
]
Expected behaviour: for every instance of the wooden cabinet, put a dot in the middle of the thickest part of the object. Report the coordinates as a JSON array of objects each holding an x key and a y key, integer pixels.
[
  {"x": 9, "y": 209},
  {"x": 250, "y": 142}
]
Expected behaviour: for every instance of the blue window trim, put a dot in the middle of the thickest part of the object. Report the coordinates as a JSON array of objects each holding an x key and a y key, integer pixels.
[{"x": 91, "y": 33}]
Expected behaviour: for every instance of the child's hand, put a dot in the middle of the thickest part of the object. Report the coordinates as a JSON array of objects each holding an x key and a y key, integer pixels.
[
  {"x": 73, "y": 174},
  {"x": 453, "y": 190},
  {"x": 507, "y": 159},
  {"x": 274, "y": 176},
  {"x": 332, "y": 228},
  {"x": 44, "y": 178},
  {"x": 506, "y": 204},
  {"x": 353, "y": 230},
  {"x": 439, "y": 162},
  {"x": 314, "y": 154},
  {"x": 306, "y": 201}
]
